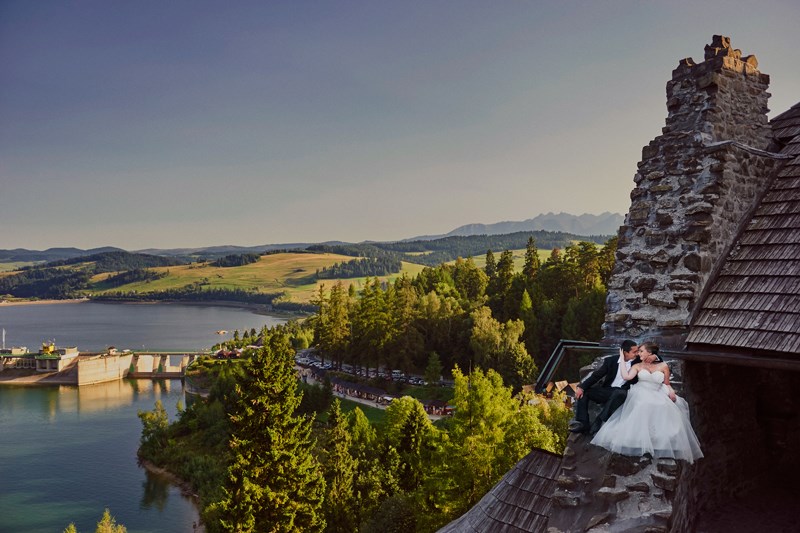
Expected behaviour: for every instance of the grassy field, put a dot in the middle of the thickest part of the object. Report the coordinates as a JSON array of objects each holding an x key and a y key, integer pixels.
[
  {"x": 291, "y": 273},
  {"x": 519, "y": 258},
  {"x": 5, "y": 267}
]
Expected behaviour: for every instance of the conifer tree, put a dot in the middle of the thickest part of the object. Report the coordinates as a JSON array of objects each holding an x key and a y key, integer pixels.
[
  {"x": 339, "y": 470},
  {"x": 274, "y": 483},
  {"x": 375, "y": 478},
  {"x": 532, "y": 262},
  {"x": 491, "y": 265}
]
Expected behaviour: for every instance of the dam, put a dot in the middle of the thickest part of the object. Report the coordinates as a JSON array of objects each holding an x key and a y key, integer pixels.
[{"x": 90, "y": 368}]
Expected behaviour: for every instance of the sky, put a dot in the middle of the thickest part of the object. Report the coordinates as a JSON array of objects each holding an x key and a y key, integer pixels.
[{"x": 153, "y": 124}]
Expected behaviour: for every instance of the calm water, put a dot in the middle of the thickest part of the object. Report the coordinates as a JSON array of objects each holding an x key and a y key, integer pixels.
[
  {"x": 93, "y": 326},
  {"x": 66, "y": 453}
]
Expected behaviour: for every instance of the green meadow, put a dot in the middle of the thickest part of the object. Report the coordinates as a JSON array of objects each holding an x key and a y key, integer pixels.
[
  {"x": 290, "y": 273},
  {"x": 519, "y": 258}
]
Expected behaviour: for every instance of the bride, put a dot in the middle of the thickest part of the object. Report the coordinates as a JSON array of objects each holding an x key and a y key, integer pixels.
[{"x": 653, "y": 419}]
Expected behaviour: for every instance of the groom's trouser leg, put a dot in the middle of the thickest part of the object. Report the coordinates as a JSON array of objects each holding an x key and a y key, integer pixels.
[
  {"x": 615, "y": 400},
  {"x": 597, "y": 395}
]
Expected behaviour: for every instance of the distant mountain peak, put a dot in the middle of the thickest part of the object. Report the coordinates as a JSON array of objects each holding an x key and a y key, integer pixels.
[{"x": 605, "y": 223}]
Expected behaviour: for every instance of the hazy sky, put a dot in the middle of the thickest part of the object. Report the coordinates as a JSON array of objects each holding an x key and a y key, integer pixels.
[{"x": 178, "y": 124}]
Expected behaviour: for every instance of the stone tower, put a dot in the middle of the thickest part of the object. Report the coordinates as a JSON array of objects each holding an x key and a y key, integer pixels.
[{"x": 694, "y": 186}]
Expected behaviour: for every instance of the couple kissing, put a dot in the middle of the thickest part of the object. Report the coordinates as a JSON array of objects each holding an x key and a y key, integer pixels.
[{"x": 640, "y": 412}]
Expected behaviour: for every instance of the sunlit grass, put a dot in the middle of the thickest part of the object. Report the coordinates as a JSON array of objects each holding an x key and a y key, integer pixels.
[{"x": 290, "y": 273}]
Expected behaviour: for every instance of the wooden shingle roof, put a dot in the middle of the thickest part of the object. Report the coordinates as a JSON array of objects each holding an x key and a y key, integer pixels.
[
  {"x": 754, "y": 303},
  {"x": 520, "y": 502}
]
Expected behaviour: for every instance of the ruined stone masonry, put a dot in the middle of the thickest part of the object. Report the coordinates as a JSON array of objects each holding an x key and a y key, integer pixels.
[{"x": 694, "y": 185}]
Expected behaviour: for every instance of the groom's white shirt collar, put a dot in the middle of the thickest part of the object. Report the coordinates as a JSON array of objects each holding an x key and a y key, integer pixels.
[{"x": 619, "y": 381}]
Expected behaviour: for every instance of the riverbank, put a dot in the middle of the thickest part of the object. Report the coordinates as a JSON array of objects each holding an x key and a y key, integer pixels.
[
  {"x": 186, "y": 488},
  {"x": 259, "y": 309},
  {"x": 12, "y": 303}
]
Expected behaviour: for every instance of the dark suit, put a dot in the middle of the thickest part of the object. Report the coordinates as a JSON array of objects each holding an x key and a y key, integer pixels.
[{"x": 597, "y": 388}]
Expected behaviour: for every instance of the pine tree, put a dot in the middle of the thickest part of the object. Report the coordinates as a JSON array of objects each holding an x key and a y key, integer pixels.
[
  {"x": 532, "y": 263},
  {"x": 339, "y": 470},
  {"x": 375, "y": 476},
  {"x": 274, "y": 483},
  {"x": 491, "y": 266},
  {"x": 433, "y": 370}
]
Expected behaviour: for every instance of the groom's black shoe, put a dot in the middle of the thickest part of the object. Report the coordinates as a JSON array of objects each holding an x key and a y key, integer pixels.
[{"x": 576, "y": 426}]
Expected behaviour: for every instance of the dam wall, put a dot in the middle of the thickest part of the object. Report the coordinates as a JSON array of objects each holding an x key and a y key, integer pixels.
[{"x": 103, "y": 368}]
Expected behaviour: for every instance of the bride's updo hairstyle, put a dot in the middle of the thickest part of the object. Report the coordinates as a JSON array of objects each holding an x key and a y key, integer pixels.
[{"x": 653, "y": 349}]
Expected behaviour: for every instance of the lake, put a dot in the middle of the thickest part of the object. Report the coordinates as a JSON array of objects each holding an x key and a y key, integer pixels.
[
  {"x": 94, "y": 326},
  {"x": 66, "y": 453}
]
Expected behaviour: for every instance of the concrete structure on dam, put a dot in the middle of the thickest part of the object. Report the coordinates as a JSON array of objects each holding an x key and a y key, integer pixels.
[{"x": 21, "y": 368}]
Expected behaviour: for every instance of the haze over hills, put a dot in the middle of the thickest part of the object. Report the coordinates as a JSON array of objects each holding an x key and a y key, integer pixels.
[
  {"x": 583, "y": 225},
  {"x": 603, "y": 224},
  {"x": 51, "y": 254}
]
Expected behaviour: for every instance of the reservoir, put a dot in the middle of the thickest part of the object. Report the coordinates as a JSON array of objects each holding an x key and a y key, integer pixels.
[{"x": 67, "y": 453}]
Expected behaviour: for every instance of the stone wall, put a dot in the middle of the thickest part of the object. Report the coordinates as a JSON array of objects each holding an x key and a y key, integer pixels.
[
  {"x": 748, "y": 445},
  {"x": 695, "y": 184}
]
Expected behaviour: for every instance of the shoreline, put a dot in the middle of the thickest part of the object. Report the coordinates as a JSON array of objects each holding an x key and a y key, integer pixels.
[
  {"x": 185, "y": 487},
  {"x": 258, "y": 309},
  {"x": 13, "y": 303}
]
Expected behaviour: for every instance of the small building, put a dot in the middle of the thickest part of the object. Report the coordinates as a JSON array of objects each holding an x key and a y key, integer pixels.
[
  {"x": 52, "y": 359},
  {"x": 16, "y": 357}
]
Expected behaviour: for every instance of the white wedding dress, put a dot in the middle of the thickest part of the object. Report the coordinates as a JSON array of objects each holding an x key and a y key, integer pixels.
[{"x": 649, "y": 422}]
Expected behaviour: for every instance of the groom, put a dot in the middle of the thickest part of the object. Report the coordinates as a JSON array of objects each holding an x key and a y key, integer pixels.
[{"x": 604, "y": 386}]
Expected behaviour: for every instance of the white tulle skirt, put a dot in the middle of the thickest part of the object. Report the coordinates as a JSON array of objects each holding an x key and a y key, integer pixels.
[{"x": 649, "y": 422}]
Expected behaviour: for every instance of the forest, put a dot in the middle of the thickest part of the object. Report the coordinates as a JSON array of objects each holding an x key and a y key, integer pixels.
[
  {"x": 258, "y": 441},
  {"x": 249, "y": 449},
  {"x": 464, "y": 315},
  {"x": 358, "y": 268},
  {"x": 57, "y": 281},
  {"x": 234, "y": 260}
]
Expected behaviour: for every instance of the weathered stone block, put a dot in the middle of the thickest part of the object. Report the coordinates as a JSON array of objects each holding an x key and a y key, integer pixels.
[
  {"x": 697, "y": 234},
  {"x": 566, "y": 482},
  {"x": 644, "y": 284},
  {"x": 566, "y": 499},
  {"x": 610, "y": 481},
  {"x": 681, "y": 285},
  {"x": 693, "y": 262},
  {"x": 703, "y": 207},
  {"x": 664, "y": 482},
  {"x": 661, "y": 258},
  {"x": 668, "y": 466},
  {"x": 610, "y": 495},
  {"x": 622, "y": 465},
  {"x": 664, "y": 218},
  {"x": 650, "y": 151},
  {"x": 618, "y": 318},
  {"x": 662, "y": 299},
  {"x": 701, "y": 219},
  {"x": 596, "y": 520},
  {"x": 654, "y": 238},
  {"x": 641, "y": 486}
]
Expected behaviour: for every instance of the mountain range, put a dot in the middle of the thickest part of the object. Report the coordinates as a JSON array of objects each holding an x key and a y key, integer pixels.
[
  {"x": 603, "y": 224},
  {"x": 583, "y": 225}
]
